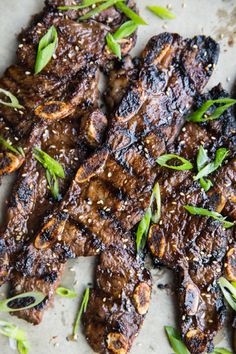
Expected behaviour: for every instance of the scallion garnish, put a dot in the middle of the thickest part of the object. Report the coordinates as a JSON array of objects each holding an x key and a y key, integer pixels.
[
  {"x": 221, "y": 154},
  {"x": 156, "y": 199},
  {"x": 113, "y": 45},
  {"x": 221, "y": 351},
  {"x": 176, "y": 341},
  {"x": 161, "y": 12},
  {"x": 36, "y": 295},
  {"x": 82, "y": 309},
  {"x": 205, "y": 169},
  {"x": 200, "y": 115},
  {"x": 213, "y": 214},
  {"x": 202, "y": 159},
  {"x": 229, "y": 291},
  {"x": 152, "y": 214},
  {"x": 7, "y": 145},
  {"x": 99, "y": 9},
  {"x": 64, "y": 292},
  {"x": 142, "y": 230},
  {"x": 46, "y": 48},
  {"x": 84, "y": 4},
  {"x": 130, "y": 14},
  {"x": 186, "y": 165},
  {"x": 12, "y": 331},
  {"x": 53, "y": 170},
  {"x": 125, "y": 30},
  {"x": 14, "y": 101}
]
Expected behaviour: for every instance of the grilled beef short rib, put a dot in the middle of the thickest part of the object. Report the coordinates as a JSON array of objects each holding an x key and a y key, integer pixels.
[
  {"x": 112, "y": 189},
  {"x": 61, "y": 115},
  {"x": 193, "y": 246}
]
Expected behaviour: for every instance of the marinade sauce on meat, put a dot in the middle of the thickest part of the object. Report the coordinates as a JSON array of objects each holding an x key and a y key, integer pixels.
[
  {"x": 61, "y": 115},
  {"x": 195, "y": 247},
  {"x": 112, "y": 189}
]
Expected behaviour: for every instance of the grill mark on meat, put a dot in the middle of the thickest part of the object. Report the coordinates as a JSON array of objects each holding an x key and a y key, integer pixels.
[
  {"x": 193, "y": 246},
  {"x": 74, "y": 81},
  {"x": 115, "y": 327}
]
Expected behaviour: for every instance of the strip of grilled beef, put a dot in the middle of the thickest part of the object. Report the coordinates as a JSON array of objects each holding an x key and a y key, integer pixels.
[
  {"x": 66, "y": 88},
  {"x": 195, "y": 247},
  {"x": 111, "y": 191},
  {"x": 69, "y": 140},
  {"x": 60, "y": 88}
]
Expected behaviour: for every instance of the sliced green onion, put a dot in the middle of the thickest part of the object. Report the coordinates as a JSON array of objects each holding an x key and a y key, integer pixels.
[
  {"x": 221, "y": 154},
  {"x": 18, "y": 150},
  {"x": 130, "y": 14},
  {"x": 229, "y": 292},
  {"x": 162, "y": 12},
  {"x": 176, "y": 341},
  {"x": 221, "y": 351},
  {"x": 144, "y": 224},
  {"x": 162, "y": 161},
  {"x": 113, "y": 45},
  {"x": 14, "y": 101},
  {"x": 12, "y": 331},
  {"x": 82, "y": 6},
  {"x": 68, "y": 293},
  {"x": 202, "y": 158},
  {"x": 213, "y": 214},
  {"x": 53, "y": 170},
  {"x": 201, "y": 116},
  {"x": 142, "y": 230},
  {"x": 46, "y": 48},
  {"x": 156, "y": 197},
  {"x": 206, "y": 184},
  {"x": 99, "y": 9},
  {"x": 125, "y": 30},
  {"x": 49, "y": 163},
  {"x": 38, "y": 298},
  {"x": 82, "y": 309}
]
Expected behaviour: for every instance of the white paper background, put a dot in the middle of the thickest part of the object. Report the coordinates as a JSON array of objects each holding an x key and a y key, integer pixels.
[{"x": 211, "y": 17}]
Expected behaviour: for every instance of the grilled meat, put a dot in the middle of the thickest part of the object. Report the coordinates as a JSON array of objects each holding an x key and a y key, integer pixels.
[
  {"x": 120, "y": 77},
  {"x": 111, "y": 191},
  {"x": 61, "y": 116},
  {"x": 120, "y": 301},
  {"x": 195, "y": 247},
  {"x": 64, "y": 85}
]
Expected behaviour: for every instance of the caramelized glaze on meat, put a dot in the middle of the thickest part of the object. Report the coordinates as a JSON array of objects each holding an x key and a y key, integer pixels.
[
  {"x": 195, "y": 247},
  {"x": 111, "y": 190}
]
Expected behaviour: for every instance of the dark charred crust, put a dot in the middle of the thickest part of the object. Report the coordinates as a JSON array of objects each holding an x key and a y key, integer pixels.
[
  {"x": 129, "y": 104},
  {"x": 195, "y": 247},
  {"x": 112, "y": 188}
]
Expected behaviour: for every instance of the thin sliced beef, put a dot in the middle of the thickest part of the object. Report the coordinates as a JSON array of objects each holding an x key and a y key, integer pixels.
[
  {"x": 111, "y": 190},
  {"x": 113, "y": 187},
  {"x": 63, "y": 87},
  {"x": 193, "y": 246},
  {"x": 61, "y": 116}
]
